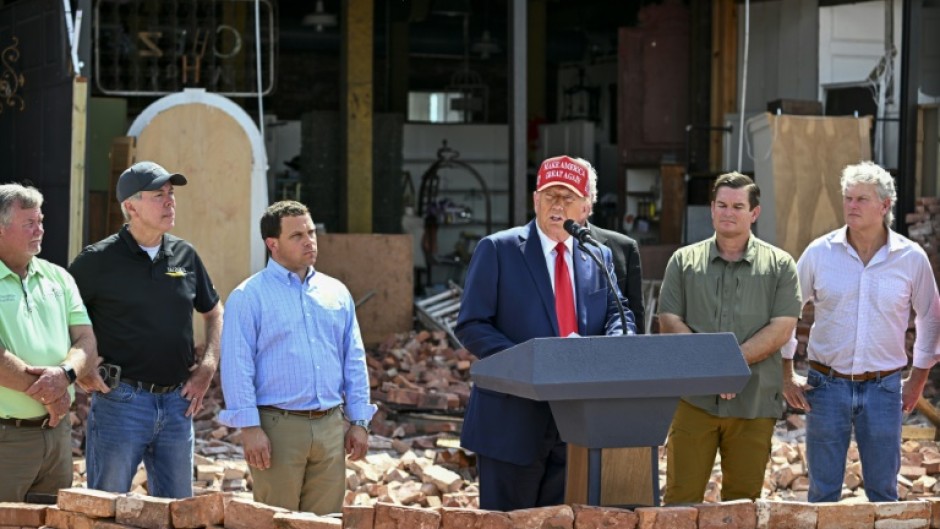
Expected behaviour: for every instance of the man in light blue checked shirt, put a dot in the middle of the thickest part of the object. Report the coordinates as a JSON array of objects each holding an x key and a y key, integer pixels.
[{"x": 291, "y": 356}]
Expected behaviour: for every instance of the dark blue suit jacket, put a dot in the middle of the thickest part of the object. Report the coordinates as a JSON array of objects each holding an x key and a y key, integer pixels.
[{"x": 507, "y": 300}]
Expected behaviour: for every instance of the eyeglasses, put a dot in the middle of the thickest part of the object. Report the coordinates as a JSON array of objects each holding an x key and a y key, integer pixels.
[{"x": 567, "y": 198}]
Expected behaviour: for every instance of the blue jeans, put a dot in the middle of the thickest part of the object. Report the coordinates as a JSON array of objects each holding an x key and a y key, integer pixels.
[
  {"x": 128, "y": 425},
  {"x": 873, "y": 407}
]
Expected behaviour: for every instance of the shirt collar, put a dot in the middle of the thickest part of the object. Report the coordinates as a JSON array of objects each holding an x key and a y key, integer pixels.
[
  {"x": 895, "y": 240},
  {"x": 285, "y": 275},
  {"x": 841, "y": 236},
  {"x": 31, "y": 269},
  {"x": 548, "y": 245},
  {"x": 134, "y": 246},
  {"x": 750, "y": 252}
]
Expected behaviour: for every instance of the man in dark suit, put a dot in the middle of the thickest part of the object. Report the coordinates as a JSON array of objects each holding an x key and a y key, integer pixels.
[
  {"x": 626, "y": 256},
  {"x": 527, "y": 282}
]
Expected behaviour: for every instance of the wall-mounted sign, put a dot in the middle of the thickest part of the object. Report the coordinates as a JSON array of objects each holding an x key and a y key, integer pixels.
[
  {"x": 10, "y": 80},
  {"x": 151, "y": 48}
]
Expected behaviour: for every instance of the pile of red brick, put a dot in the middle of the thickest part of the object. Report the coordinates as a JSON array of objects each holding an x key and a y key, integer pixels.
[
  {"x": 923, "y": 227},
  {"x": 84, "y": 509},
  {"x": 420, "y": 371}
]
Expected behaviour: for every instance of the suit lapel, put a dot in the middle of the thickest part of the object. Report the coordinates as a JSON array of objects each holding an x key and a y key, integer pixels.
[{"x": 532, "y": 253}]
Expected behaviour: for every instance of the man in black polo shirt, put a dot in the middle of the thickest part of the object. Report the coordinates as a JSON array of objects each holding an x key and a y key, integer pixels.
[{"x": 140, "y": 286}]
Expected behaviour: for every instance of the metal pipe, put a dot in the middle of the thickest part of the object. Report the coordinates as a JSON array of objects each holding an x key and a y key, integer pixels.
[
  {"x": 594, "y": 476},
  {"x": 910, "y": 83}
]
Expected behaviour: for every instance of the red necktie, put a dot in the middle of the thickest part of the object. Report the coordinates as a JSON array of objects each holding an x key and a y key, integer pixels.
[{"x": 564, "y": 297}]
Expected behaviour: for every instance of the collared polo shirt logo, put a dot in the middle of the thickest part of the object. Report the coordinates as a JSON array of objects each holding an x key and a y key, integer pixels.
[{"x": 176, "y": 271}]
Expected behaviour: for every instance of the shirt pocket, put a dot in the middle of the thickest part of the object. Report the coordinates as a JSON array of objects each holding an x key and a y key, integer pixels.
[
  {"x": 894, "y": 292},
  {"x": 753, "y": 300}
]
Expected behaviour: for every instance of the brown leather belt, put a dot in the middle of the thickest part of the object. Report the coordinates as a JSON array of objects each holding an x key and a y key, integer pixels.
[
  {"x": 309, "y": 414},
  {"x": 38, "y": 422},
  {"x": 859, "y": 377},
  {"x": 152, "y": 388}
]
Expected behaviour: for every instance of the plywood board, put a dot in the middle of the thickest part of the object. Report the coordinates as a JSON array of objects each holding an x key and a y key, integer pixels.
[
  {"x": 626, "y": 476},
  {"x": 379, "y": 266},
  {"x": 798, "y": 164},
  {"x": 212, "y": 150}
]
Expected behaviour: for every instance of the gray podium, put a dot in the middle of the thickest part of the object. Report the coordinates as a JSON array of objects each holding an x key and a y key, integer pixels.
[{"x": 616, "y": 391}]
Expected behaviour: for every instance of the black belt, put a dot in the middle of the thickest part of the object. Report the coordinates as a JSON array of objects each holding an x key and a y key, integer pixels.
[
  {"x": 38, "y": 422},
  {"x": 152, "y": 388},
  {"x": 309, "y": 414},
  {"x": 857, "y": 377}
]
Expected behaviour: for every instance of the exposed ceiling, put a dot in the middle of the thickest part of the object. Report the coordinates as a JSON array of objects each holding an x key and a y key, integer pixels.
[{"x": 574, "y": 28}]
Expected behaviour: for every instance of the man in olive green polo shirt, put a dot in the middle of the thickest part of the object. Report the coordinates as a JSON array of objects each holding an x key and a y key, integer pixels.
[
  {"x": 732, "y": 282},
  {"x": 46, "y": 343}
]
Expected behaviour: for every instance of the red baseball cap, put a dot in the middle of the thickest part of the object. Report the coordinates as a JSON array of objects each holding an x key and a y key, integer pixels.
[{"x": 564, "y": 171}]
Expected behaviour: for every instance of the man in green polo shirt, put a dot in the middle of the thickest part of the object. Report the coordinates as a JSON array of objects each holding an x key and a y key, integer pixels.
[
  {"x": 731, "y": 282},
  {"x": 46, "y": 343}
]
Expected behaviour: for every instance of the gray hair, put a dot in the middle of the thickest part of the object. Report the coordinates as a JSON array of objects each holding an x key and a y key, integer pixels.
[
  {"x": 872, "y": 173},
  {"x": 592, "y": 180},
  {"x": 127, "y": 216},
  {"x": 13, "y": 194}
]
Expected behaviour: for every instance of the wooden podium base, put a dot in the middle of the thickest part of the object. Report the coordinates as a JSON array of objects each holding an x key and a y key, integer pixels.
[{"x": 627, "y": 476}]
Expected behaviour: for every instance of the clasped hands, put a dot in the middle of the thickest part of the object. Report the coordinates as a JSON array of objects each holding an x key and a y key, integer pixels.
[{"x": 51, "y": 389}]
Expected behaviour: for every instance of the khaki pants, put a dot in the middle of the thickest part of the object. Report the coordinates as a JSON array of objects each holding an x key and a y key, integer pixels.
[
  {"x": 696, "y": 436},
  {"x": 308, "y": 463},
  {"x": 34, "y": 460}
]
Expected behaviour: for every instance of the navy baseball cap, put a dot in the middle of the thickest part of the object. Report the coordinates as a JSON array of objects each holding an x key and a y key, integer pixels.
[{"x": 145, "y": 176}]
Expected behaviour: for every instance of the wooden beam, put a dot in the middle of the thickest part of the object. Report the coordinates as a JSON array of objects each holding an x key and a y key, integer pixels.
[
  {"x": 537, "y": 103},
  {"x": 724, "y": 92},
  {"x": 76, "y": 220},
  {"x": 357, "y": 62}
]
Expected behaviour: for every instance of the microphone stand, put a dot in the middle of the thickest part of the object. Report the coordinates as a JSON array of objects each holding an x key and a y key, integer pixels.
[
  {"x": 594, "y": 454},
  {"x": 610, "y": 282}
]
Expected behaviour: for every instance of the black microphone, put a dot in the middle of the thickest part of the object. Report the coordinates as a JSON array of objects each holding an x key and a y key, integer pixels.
[{"x": 582, "y": 234}]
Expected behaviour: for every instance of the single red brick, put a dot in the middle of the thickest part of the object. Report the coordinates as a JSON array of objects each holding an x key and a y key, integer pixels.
[
  {"x": 358, "y": 517},
  {"x": 666, "y": 517},
  {"x": 902, "y": 510},
  {"x": 589, "y": 517},
  {"x": 90, "y": 502},
  {"x": 934, "y": 512},
  {"x": 146, "y": 512},
  {"x": 108, "y": 524},
  {"x": 737, "y": 514},
  {"x": 305, "y": 520},
  {"x": 554, "y": 517},
  {"x": 198, "y": 511},
  {"x": 246, "y": 514},
  {"x": 59, "y": 519},
  {"x": 22, "y": 514},
  {"x": 792, "y": 515},
  {"x": 456, "y": 518},
  {"x": 845, "y": 516},
  {"x": 388, "y": 516}
]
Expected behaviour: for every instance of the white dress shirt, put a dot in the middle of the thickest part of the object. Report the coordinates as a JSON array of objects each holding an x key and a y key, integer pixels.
[{"x": 862, "y": 312}]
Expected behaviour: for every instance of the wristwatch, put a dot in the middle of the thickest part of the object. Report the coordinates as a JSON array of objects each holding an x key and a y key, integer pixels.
[
  {"x": 362, "y": 423},
  {"x": 69, "y": 372}
]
